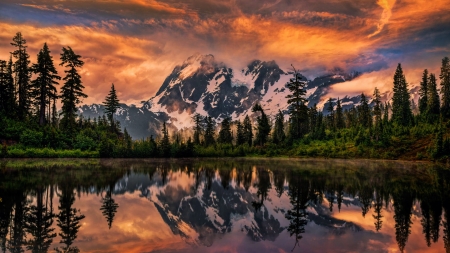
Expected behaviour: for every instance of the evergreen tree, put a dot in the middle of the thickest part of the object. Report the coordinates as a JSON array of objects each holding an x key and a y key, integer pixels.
[
  {"x": 43, "y": 87},
  {"x": 72, "y": 90},
  {"x": 111, "y": 104},
  {"x": 209, "y": 131},
  {"x": 445, "y": 87},
  {"x": 365, "y": 116},
  {"x": 198, "y": 127},
  {"x": 339, "y": 115},
  {"x": 313, "y": 118},
  {"x": 22, "y": 75},
  {"x": 165, "y": 142},
  {"x": 109, "y": 207},
  {"x": 68, "y": 220},
  {"x": 225, "y": 136},
  {"x": 296, "y": 101},
  {"x": 330, "y": 117},
  {"x": 401, "y": 102},
  {"x": 248, "y": 131},
  {"x": 240, "y": 136},
  {"x": 39, "y": 221},
  {"x": 6, "y": 88},
  {"x": 433, "y": 105},
  {"x": 263, "y": 126},
  {"x": 377, "y": 110},
  {"x": 423, "y": 93},
  {"x": 278, "y": 131}
]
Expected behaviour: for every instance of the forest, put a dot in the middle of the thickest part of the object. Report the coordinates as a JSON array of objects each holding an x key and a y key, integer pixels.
[{"x": 32, "y": 126}]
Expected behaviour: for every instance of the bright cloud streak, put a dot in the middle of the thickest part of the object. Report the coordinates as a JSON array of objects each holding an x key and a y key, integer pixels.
[{"x": 136, "y": 44}]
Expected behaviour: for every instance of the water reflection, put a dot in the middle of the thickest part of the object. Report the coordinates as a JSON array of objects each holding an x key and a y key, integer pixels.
[{"x": 208, "y": 205}]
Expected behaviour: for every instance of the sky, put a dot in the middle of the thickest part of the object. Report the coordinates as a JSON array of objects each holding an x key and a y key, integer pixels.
[{"x": 135, "y": 44}]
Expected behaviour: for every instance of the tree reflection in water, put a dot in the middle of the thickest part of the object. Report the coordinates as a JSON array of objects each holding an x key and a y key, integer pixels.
[{"x": 27, "y": 218}]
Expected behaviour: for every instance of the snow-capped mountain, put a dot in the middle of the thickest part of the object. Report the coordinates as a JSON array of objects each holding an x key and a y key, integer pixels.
[{"x": 206, "y": 86}]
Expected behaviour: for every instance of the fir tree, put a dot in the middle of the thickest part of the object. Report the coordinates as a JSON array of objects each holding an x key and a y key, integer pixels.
[
  {"x": 423, "y": 92},
  {"x": 240, "y": 136},
  {"x": 109, "y": 207},
  {"x": 263, "y": 126},
  {"x": 313, "y": 118},
  {"x": 377, "y": 107},
  {"x": 401, "y": 102},
  {"x": 248, "y": 131},
  {"x": 198, "y": 127},
  {"x": 364, "y": 112},
  {"x": 330, "y": 117},
  {"x": 68, "y": 220},
  {"x": 209, "y": 131},
  {"x": 111, "y": 104},
  {"x": 278, "y": 131},
  {"x": 165, "y": 142},
  {"x": 296, "y": 101},
  {"x": 225, "y": 136},
  {"x": 72, "y": 90},
  {"x": 433, "y": 105},
  {"x": 445, "y": 87},
  {"x": 22, "y": 75},
  {"x": 339, "y": 115},
  {"x": 43, "y": 86}
]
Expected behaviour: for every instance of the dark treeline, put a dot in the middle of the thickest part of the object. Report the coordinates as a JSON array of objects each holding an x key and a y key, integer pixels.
[
  {"x": 398, "y": 128},
  {"x": 319, "y": 185}
]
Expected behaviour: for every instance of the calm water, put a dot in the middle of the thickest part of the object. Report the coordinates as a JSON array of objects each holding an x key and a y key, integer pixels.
[{"x": 225, "y": 205}]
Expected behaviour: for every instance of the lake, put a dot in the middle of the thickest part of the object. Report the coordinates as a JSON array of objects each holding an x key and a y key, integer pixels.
[{"x": 223, "y": 205}]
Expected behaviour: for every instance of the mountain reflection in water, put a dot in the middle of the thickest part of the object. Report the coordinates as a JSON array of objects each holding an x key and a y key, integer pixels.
[{"x": 223, "y": 205}]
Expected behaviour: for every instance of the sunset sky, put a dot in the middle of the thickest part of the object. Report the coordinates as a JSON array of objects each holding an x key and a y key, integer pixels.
[{"x": 135, "y": 44}]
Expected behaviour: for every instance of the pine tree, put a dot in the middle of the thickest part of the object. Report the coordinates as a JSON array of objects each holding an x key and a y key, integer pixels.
[
  {"x": 72, "y": 90},
  {"x": 330, "y": 117},
  {"x": 401, "y": 102},
  {"x": 109, "y": 207},
  {"x": 339, "y": 115},
  {"x": 296, "y": 101},
  {"x": 248, "y": 131},
  {"x": 263, "y": 126},
  {"x": 423, "y": 92},
  {"x": 445, "y": 87},
  {"x": 111, "y": 104},
  {"x": 278, "y": 131},
  {"x": 240, "y": 137},
  {"x": 22, "y": 75},
  {"x": 225, "y": 136},
  {"x": 209, "y": 131},
  {"x": 377, "y": 110},
  {"x": 433, "y": 106},
  {"x": 198, "y": 127},
  {"x": 43, "y": 87},
  {"x": 365, "y": 116},
  {"x": 68, "y": 220},
  {"x": 313, "y": 118},
  {"x": 165, "y": 142}
]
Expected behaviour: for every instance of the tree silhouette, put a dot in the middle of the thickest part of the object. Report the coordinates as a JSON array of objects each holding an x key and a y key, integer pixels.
[
  {"x": 297, "y": 216},
  {"x": 6, "y": 209},
  {"x": 111, "y": 104},
  {"x": 72, "y": 90},
  {"x": 263, "y": 184},
  {"x": 109, "y": 207},
  {"x": 43, "y": 87},
  {"x": 378, "y": 207},
  {"x": 297, "y": 104},
  {"x": 68, "y": 220},
  {"x": 17, "y": 228},
  {"x": 22, "y": 74},
  {"x": 403, "y": 202},
  {"x": 39, "y": 221}
]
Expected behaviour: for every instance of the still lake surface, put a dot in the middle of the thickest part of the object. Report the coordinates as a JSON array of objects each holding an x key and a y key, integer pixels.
[{"x": 223, "y": 205}]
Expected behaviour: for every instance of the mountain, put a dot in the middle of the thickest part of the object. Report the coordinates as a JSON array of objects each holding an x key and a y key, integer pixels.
[{"x": 206, "y": 86}]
